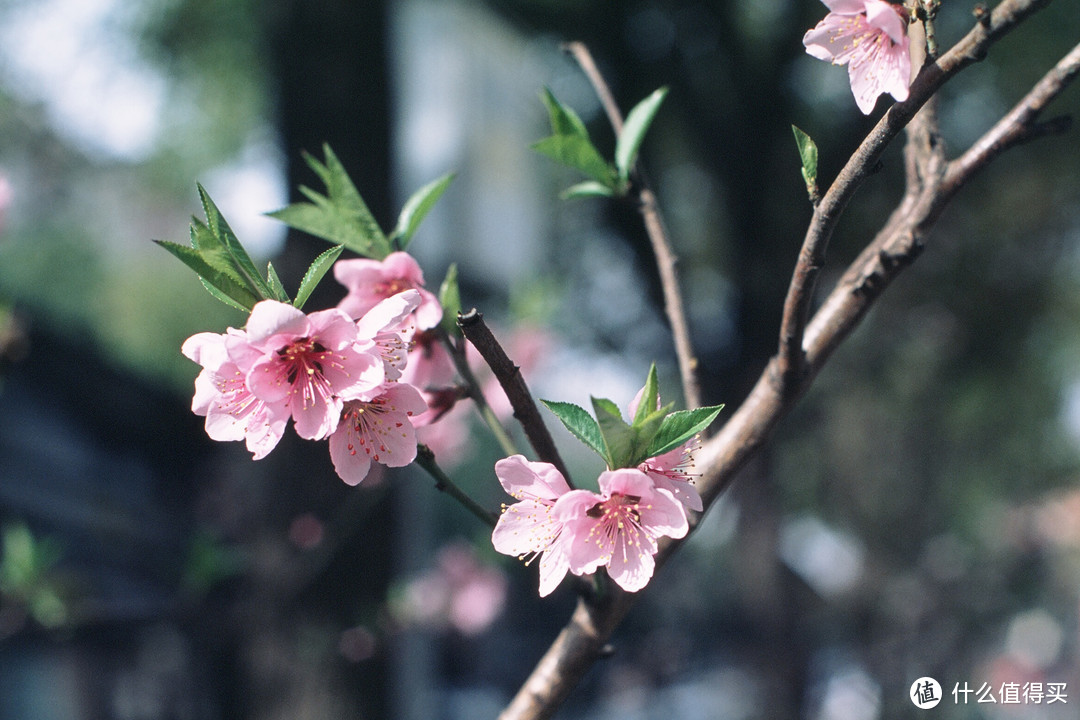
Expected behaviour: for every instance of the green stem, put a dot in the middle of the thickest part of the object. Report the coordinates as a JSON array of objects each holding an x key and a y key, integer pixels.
[{"x": 426, "y": 459}]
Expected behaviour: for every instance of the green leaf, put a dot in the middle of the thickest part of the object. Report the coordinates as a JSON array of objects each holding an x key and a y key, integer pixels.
[
  {"x": 222, "y": 283},
  {"x": 416, "y": 209},
  {"x": 650, "y": 397},
  {"x": 315, "y": 273},
  {"x": 274, "y": 282},
  {"x": 564, "y": 121},
  {"x": 678, "y": 427},
  {"x": 579, "y": 153},
  {"x": 580, "y": 424},
  {"x": 222, "y": 249},
  {"x": 570, "y": 145},
  {"x": 633, "y": 133},
  {"x": 588, "y": 188},
  {"x": 645, "y": 432},
  {"x": 808, "y": 153},
  {"x": 618, "y": 437},
  {"x": 340, "y": 217},
  {"x": 450, "y": 299}
]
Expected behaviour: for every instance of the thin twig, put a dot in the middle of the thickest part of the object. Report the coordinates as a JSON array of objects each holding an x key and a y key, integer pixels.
[
  {"x": 580, "y": 52},
  {"x": 475, "y": 393},
  {"x": 425, "y": 458},
  {"x": 513, "y": 384},
  {"x": 666, "y": 260}
]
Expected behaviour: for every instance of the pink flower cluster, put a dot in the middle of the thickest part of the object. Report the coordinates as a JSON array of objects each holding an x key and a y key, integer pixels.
[
  {"x": 870, "y": 37},
  {"x": 337, "y": 374},
  {"x": 580, "y": 531}
]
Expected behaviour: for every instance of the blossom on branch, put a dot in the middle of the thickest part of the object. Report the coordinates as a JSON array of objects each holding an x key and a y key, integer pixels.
[
  {"x": 673, "y": 470},
  {"x": 309, "y": 362},
  {"x": 222, "y": 396},
  {"x": 371, "y": 281},
  {"x": 618, "y": 527},
  {"x": 870, "y": 37},
  {"x": 528, "y": 528},
  {"x": 376, "y": 427}
]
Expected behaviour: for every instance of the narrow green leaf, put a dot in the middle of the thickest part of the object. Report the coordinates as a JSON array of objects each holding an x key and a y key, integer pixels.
[
  {"x": 678, "y": 427},
  {"x": 450, "y": 299},
  {"x": 315, "y": 273},
  {"x": 416, "y": 209},
  {"x": 343, "y": 193},
  {"x": 580, "y": 424},
  {"x": 588, "y": 188},
  {"x": 808, "y": 154},
  {"x": 650, "y": 397},
  {"x": 564, "y": 121},
  {"x": 645, "y": 432},
  {"x": 226, "y": 242},
  {"x": 570, "y": 145},
  {"x": 618, "y": 437},
  {"x": 223, "y": 285},
  {"x": 637, "y": 124},
  {"x": 340, "y": 217},
  {"x": 276, "y": 287},
  {"x": 578, "y": 152}
]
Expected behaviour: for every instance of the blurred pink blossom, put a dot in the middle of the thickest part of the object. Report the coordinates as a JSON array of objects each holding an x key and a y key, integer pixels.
[{"x": 459, "y": 593}]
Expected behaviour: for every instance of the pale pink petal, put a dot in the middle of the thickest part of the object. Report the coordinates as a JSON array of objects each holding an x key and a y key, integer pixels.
[
  {"x": 525, "y": 527},
  {"x": 270, "y": 318},
  {"x": 522, "y": 478},
  {"x": 884, "y": 16},
  {"x": 388, "y": 314},
  {"x": 316, "y": 416},
  {"x": 351, "y": 466},
  {"x": 630, "y": 568},
  {"x": 553, "y": 567}
]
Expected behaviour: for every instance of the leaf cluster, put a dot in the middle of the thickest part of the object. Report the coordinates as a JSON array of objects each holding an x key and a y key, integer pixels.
[
  {"x": 339, "y": 215},
  {"x": 570, "y": 145},
  {"x": 653, "y": 431}
]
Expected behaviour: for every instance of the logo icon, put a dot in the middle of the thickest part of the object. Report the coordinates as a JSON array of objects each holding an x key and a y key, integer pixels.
[{"x": 925, "y": 693}]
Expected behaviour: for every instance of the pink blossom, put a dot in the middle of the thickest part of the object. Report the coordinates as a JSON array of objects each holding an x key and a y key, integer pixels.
[
  {"x": 221, "y": 394},
  {"x": 618, "y": 528},
  {"x": 376, "y": 429},
  {"x": 386, "y": 326},
  {"x": 673, "y": 471},
  {"x": 528, "y": 528},
  {"x": 430, "y": 366},
  {"x": 309, "y": 362},
  {"x": 369, "y": 281},
  {"x": 870, "y": 37}
]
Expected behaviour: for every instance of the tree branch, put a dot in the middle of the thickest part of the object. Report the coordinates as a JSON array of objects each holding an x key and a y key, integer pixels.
[
  {"x": 513, "y": 384},
  {"x": 972, "y": 48},
  {"x": 931, "y": 183},
  {"x": 666, "y": 260}
]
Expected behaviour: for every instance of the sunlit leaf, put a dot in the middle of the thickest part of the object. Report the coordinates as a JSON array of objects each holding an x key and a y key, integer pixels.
[
  {"x": 315, "y": 273},
  {"x": 340, "y": 217},
  {"x": 678, "y": 427},
  {"x": 637, "y": 124},
  {"x": 579, "y": 422},
  {"x": 416, "y": 209}
]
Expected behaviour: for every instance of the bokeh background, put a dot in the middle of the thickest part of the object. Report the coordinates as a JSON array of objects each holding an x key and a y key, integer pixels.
[{"x": 918, "y": 515}]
